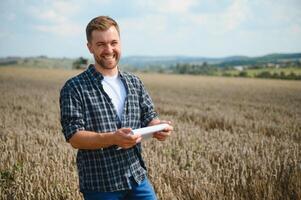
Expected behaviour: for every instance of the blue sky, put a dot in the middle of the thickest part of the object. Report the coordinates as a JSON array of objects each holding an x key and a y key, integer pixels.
[{"x": 209, "y": 28}]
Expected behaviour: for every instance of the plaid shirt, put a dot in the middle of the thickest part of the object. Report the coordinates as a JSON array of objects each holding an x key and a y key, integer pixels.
[{"x": 85, "y": 106}]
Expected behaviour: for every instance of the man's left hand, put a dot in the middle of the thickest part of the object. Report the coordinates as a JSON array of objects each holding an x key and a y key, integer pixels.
[{"x": 162, "y": 135}]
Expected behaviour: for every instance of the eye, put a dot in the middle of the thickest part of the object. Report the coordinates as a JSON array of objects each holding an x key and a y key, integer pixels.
[
  {"x": 100, "y": 44},
  {"x": 114, "y": 43}
]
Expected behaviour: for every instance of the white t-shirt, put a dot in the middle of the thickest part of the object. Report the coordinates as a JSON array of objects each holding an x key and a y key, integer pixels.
[{"x": 114, "y": 87}]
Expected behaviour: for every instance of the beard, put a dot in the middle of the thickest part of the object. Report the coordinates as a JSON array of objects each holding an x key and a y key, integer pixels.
[{"x": 107, "y": 64}]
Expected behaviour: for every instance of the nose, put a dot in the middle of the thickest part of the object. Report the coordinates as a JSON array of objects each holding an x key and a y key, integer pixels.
[{"x": 108, "y": 48}]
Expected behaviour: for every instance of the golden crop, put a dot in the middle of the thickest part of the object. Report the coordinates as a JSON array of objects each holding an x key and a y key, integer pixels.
[{"x": 234, "y": 138}]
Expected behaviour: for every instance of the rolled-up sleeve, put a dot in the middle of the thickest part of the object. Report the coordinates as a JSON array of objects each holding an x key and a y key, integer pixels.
[
  {"x": 71, "y": 112},
  {"x": 148, "y": 112}
]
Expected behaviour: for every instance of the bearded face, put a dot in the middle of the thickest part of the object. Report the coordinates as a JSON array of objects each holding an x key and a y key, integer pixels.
[{"x": 106, "y": 48}]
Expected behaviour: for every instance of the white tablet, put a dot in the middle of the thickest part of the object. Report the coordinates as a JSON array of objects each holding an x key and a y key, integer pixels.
[{"x": 147, "y": 132}]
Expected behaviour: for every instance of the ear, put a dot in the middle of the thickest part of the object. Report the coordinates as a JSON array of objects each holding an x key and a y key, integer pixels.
[{"x": 89, "y": 45}]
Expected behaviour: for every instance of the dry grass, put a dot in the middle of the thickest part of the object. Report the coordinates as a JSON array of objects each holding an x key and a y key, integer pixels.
[{"x": 234, "y": 138}]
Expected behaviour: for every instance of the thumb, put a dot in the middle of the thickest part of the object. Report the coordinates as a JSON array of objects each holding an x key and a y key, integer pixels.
[{"x": 126, "y": 130}]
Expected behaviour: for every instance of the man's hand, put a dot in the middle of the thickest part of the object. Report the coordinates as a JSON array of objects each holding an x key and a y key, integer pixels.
[
  {"x": 124, "y": 139},
  {"x": 161, "y": 135}
]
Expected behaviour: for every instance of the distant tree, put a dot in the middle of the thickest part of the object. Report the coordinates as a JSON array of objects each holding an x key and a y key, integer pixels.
[
  {"x": 43, "y": 56},
  {"x": 292, "y": 76},
  {"x": 226, "y": 74},
  {"x": 205, "y": 64},
  {"x": 264, "y": 74},
  {"x": 181, "y": 68},
  {"x": 243, "y": 74},
  {"x": 282, "y": 74},
  {"x": 255, "y": 67},
  {"x": 275, "y": 75},
  {"x": 80, "y": 63},
  {"x": 187, "y": 68}
]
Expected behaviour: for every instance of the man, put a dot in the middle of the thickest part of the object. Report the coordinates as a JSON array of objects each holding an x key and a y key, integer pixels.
[{"x": 99, "y": 109}]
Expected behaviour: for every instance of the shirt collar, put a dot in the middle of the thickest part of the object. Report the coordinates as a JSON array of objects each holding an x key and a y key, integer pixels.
[{"x": 97, "y": 75}]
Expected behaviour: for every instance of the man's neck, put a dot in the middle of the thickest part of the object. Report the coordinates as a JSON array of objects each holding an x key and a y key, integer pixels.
[{"x": 106, "y": 72}]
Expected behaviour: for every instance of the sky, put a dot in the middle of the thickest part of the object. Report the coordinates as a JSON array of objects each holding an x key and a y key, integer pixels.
[{"x": 205, "y": 28}]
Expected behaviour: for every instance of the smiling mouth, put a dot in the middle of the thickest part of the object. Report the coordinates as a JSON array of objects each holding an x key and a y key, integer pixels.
[{"x": 109, "y": 57}]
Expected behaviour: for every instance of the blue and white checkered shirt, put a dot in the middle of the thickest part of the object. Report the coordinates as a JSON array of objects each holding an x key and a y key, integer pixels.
[{"x": 85, "y": 106}]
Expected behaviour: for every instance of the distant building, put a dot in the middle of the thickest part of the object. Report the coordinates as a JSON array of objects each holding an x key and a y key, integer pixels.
[{"x": 239, "y": 68}]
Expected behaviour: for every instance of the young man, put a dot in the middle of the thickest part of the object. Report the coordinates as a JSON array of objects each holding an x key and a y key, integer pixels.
[{"x": 99, "y": 108}]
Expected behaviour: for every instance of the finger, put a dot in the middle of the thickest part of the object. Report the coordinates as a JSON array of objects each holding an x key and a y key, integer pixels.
[
  {"x": 133, "y": 143},
  {"x": 165, "y": 122},
  {"x": 138, "y": 140},
  {"x": 126, "y": 130},
  {"x": 167, "y": 129},
  {"x": 163, "y": 133},
  {"x": 134, "y": 137},
  {"x": 129, "y": 144},
  {"x": 160, "y": 135},
  {"x": 160, "y": 138},
  {"x": 126, "y": 138}
]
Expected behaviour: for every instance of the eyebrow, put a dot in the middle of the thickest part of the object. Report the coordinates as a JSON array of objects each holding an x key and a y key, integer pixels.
[{"x": 102, "y": 42}]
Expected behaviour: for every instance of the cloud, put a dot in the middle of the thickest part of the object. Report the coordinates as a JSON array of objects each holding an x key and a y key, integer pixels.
[
  {"x": 61, "y": 29},
  {"x": 296, "y": 29},
  {"x": 148, "y": 24},
  {"x": 4, "y": 35},
  {"x": 236, "y": 14},
  {"x": 182, "y": 27},
  {"x": 11, "y": 16},
  {"x": 184, "y": 17},
  {"x": 168, "y": 6},
  {"x": 224, "y": 21},
  {"x": 56, "y": 18}
]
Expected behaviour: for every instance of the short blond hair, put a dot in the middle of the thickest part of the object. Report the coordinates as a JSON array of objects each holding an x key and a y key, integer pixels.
[{"x": 101, "y": 23}]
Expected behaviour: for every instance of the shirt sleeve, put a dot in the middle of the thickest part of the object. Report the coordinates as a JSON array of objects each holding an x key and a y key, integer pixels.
[
  {"x": 71, "y": 112},
  {"x": 148, "y": 112}
]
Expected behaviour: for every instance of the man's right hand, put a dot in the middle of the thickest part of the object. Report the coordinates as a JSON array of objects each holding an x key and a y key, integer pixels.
[{"x": 124, "y": 139}]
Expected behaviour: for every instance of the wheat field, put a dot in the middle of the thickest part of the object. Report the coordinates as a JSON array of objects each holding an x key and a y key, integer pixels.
[{"x": 234, "y": 138}]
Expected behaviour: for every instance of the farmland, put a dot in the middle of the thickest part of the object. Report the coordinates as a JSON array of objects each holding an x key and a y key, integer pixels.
[{"x": 234, "y": 138}]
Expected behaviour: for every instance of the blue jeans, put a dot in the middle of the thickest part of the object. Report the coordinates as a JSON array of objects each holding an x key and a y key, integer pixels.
[{"x": 143, "y": 191}]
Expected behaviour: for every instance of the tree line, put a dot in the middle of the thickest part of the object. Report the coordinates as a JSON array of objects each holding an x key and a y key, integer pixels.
[{"x": 206, "y": 69}]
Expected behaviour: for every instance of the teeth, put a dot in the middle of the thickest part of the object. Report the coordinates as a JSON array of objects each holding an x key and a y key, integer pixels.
[{"x": 109, "y": 57}]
